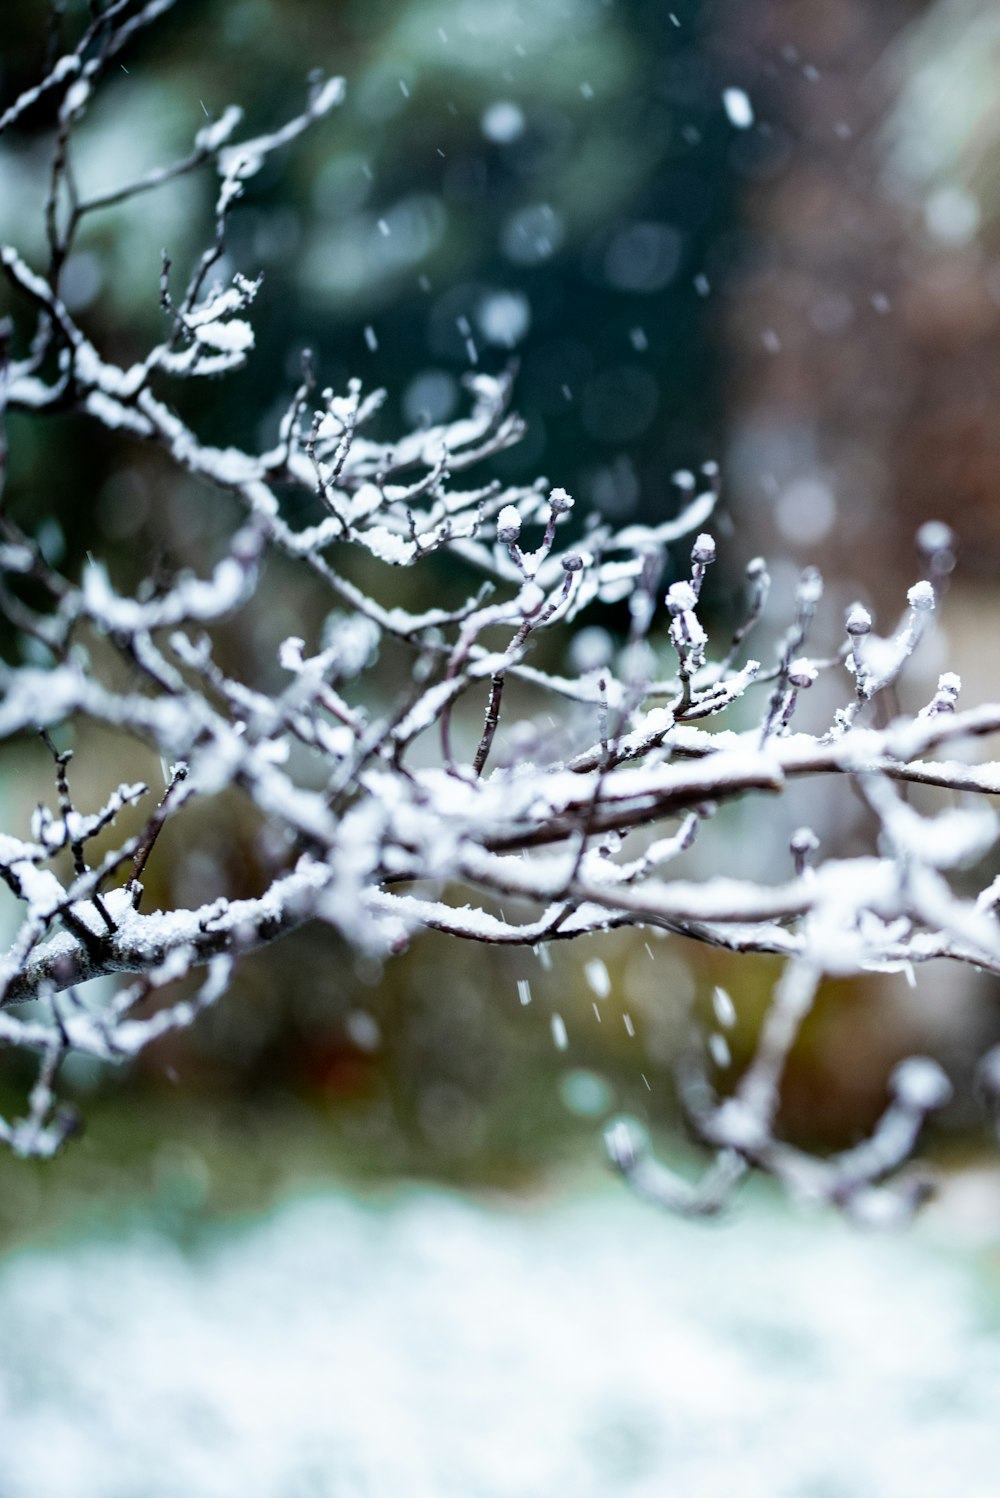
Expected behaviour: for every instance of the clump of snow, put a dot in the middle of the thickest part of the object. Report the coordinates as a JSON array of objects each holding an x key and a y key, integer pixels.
[
  {"x": 508, "y": 524},
  {"x": 921, "y": 1084},
  {"x": 921, "y": 596},
  {"x": 681, "y": 596},
  {"x": 76, "y": 98},
  {"x": 235, "y": 336},
  {"x": 386, "y": 545},
  {"x": 530, "y": 599}
]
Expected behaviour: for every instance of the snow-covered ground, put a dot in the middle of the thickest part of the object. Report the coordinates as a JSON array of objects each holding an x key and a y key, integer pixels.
[{"x": 424, "y": 1345}]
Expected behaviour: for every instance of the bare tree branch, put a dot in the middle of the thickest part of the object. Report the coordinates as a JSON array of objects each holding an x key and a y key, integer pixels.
[{"x": 393, "y": 808}]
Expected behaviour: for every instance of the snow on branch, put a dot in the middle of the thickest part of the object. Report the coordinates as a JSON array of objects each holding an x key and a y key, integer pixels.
[{"x": 417, "y": 806}]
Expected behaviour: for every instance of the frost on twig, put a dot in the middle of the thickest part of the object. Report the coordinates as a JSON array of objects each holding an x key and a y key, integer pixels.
[{"x": 413, "y": 804}]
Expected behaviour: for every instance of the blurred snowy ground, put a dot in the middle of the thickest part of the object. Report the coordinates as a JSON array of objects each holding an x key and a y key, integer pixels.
[{"x": 418, "y": 1344}]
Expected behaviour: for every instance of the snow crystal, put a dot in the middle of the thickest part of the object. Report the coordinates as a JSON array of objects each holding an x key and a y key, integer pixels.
[
  {"x": 598, "y": 980},
  {"x": 363, "y": 1030},
  {"x": 724, "y": 1008},
  {"x": 504, "y": 317},
  {"x": 502, "y": 122},
  {"x": 718, "y": 1049},
  {"x": 935, "y": 536},
  {"x": 738, "y": 108}
]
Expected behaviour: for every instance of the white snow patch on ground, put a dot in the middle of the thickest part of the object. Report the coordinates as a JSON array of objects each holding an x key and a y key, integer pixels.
[{"x": 429, "y": 1346}]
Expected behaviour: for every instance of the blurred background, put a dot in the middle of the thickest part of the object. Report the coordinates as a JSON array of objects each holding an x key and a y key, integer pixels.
[{"x": 767, "y": 235}]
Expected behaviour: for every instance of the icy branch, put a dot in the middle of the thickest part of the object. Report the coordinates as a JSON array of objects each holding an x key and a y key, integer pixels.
[{"x": 392, "y": 763}]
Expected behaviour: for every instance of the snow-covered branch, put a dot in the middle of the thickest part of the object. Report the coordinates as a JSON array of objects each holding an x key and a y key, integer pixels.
[{"x": 417, "y": 805}]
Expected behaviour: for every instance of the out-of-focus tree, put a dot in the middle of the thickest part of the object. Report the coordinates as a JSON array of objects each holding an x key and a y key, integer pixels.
[{"x": 863, "y": 309}]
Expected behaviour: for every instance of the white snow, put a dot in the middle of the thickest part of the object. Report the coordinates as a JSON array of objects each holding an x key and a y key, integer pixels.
[
  {"x": 723, "y": 1007},
  {"x": 738, "y": 108},
  {"x": 718, "y": 1049},
  {"x": 508, "y": 523},
  {"x": 504, "y": 317},
  {"x": 681, "y": 596},
  {"x": 921, "y": 596},
  {"x": 386, "y": 545},
  {"x": 234, "y": 336},
  {"x": 211, "y": 137},
  {"x": 598, "y": 979},
  {"x": 422, "y": 1344},
  {"x": 75, "y": 99},
  {"x": 502, "y": 121},
  {"x": 921, "y": 1084}
]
